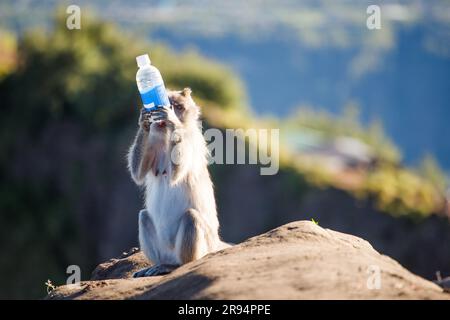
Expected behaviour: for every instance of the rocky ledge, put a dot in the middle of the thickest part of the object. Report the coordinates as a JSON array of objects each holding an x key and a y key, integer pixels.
[{"x": 299, "y": 260}]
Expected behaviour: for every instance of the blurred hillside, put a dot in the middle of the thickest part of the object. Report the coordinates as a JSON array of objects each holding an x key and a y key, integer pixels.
[{"x": 69, "y": 109}]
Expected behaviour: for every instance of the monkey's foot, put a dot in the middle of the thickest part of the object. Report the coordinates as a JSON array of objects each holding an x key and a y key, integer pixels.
[{"x": 156, "y": 270}]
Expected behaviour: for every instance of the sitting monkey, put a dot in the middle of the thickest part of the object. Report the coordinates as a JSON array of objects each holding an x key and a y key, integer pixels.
[{"x": 169, "y": 156}]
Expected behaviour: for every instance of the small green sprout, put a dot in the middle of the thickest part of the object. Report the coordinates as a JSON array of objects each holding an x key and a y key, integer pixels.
[
  {"x": 50, "y": 286},
  {"x": 314, "y": 221}
]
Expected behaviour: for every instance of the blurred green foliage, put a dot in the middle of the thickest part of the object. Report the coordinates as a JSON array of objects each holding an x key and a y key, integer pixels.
[
  {"x": 395, "y": 189},
  {"x": 432, "y": 172},
  {"x": 85, "y": 78},
  {"x": 348, "y": 124},
  {"x": 8, "y": 52},
  {"x": 402, "y": 192}
]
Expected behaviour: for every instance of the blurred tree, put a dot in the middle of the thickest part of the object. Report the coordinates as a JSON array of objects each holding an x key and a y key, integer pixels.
[
  {"x": 8, "y": 53},
  {"x": 431, "y": 171}
]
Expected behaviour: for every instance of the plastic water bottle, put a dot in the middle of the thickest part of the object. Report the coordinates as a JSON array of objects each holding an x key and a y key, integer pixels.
[{"x": 150, "y": 84}]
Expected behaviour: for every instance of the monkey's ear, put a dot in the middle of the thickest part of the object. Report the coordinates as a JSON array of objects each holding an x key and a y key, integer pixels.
[{"x": 186, "y": 92}]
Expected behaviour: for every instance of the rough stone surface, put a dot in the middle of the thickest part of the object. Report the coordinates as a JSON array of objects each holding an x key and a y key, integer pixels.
[{"x": 299, "y": 260}]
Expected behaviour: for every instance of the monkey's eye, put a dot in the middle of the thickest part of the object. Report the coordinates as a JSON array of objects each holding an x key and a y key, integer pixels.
[{"x": 178, "y": 107}]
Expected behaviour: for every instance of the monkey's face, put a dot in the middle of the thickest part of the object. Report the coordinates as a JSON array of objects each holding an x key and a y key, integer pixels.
[{"x": 183, "y": 105}]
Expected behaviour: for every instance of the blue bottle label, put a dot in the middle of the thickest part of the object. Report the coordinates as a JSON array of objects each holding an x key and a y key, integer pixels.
[{"x": 155, "y": 97}]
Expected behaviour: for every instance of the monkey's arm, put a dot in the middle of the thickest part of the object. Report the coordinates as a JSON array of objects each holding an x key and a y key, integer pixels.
[
  {"x": 180, "y": 143},
  {"x": 184, "y": 148},
  {"x": 138, "y": 167}
]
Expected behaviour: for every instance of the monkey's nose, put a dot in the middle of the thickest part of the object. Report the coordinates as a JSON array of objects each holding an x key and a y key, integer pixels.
[{"x": 161, "y": 123}]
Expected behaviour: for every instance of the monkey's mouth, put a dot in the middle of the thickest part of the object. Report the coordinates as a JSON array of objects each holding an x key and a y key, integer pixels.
[{"x": 160, "y": 124}]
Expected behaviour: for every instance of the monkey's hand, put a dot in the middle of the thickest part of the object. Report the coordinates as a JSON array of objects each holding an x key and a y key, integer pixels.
[
  {"x": 164, "y": 113},
  {"x": 145, "y": 120},
  {"x": 176, "y": 136}
]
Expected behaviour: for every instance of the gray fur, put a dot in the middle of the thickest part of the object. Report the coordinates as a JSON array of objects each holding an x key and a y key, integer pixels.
[{"x": 168, "y": 156}]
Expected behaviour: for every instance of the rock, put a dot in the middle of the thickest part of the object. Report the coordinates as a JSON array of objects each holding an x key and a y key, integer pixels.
[{"x": 299, "y": 260}]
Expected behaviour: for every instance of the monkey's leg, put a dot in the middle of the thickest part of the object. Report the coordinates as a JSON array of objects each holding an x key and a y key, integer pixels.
[
  {"x": 192, "y": 238},
  {"x": 147, "y": 242}
]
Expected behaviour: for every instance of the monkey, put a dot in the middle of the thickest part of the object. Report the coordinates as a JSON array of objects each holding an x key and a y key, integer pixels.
[{"x": 169, "y": 158}]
